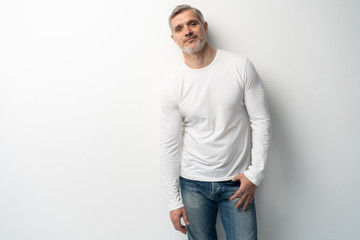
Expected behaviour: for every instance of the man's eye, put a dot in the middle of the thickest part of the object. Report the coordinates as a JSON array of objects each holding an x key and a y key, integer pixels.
[
  {"x": 177, "y": 29},
  {"x": 193, "y": 24}
]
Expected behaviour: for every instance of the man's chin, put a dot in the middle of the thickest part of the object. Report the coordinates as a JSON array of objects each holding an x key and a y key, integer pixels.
[{"x": 193, "y": 50}]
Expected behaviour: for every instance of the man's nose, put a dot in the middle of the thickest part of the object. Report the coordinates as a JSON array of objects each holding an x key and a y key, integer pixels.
[{"x": 188, "y": 32}]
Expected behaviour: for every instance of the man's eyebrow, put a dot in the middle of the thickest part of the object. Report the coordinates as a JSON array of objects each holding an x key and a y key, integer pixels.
[{"x": 193, "y": 21}]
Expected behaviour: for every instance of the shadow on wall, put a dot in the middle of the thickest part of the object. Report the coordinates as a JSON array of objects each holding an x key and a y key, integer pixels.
[
  {"x": 212, "y": 40},
  {"x": 280, "y": 175}
]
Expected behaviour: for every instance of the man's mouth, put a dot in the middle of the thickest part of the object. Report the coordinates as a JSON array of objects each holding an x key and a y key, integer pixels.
[{"x": 190, "y": 38}]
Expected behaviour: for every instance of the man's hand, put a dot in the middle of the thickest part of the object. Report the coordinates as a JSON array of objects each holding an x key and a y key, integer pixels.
[
  {"x": 176, "y": 215},
  {"x": 246, "y": 191}
]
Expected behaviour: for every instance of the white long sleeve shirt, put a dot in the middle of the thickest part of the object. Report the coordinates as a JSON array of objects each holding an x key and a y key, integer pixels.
[{"x": 215, "y": 124}]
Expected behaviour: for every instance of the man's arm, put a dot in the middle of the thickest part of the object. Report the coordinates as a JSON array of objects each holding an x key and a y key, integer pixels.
[
  {"x": 258, "y": 111},
  {"x": 170, "y": 137}
]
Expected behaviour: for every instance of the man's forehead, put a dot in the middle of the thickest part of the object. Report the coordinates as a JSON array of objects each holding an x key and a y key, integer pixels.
[{"x": 183, "y": 17}]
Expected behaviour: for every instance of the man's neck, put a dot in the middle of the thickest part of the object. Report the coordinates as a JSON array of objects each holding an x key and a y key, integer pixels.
[{"x": 200, "y": 59}]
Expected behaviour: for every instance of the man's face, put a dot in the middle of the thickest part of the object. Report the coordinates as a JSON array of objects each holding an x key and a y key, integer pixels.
[{"x": 188, "y": 32}]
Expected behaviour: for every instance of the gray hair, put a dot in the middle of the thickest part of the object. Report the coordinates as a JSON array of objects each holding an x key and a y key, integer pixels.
[{"x": 181, "y": 8}]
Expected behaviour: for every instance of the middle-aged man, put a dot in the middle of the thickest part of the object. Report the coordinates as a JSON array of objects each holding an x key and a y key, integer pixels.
[{"x": 215, "y": 133}]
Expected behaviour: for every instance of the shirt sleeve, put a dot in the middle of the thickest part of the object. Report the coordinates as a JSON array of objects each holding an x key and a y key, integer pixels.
[
  {"x": 258, "y": 111},
  {"x": 170, "y": 138}
]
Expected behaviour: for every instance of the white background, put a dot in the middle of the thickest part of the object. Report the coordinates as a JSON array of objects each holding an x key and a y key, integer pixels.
[{"x": 80, "y": 85}]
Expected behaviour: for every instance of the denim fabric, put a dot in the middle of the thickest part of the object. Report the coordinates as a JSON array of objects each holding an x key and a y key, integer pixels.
[{"x": 203, "y": 200}]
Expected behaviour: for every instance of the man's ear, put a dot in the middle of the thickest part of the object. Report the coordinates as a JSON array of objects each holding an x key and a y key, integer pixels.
[
  {"x": 206, "y": 27},
  {"x": 173, "y": 39}
]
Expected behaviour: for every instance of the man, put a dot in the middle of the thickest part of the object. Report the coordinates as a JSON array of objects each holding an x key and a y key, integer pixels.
[{"x": 215, "y": 133}]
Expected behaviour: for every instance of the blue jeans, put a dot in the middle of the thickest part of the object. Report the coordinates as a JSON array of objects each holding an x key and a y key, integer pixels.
[{"x": 203, "y": 200}]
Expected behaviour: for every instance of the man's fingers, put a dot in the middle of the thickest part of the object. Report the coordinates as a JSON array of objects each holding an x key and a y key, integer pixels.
[
  {"x": 183, "y": 229},
  {"x": 247, "y": 201},
  {"x": 241, "y": 200},
  {"x": 237, "y": 194},
  {"x": 236, "y": 178},
  {"x": 179, "y": 227},
  {"x": 185, "y": 217},
  {"x": 177, "y": 224}
]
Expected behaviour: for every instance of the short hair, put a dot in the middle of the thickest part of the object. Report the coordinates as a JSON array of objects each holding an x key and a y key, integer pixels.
[{"x": 181, "y": 8}]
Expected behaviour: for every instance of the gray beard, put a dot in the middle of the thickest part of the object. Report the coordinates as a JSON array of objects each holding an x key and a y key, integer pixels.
[{"x": 198, "y": 47}]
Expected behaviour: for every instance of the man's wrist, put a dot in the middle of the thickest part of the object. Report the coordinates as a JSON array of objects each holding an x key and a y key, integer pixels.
[
  {"x": 251, "y": 178},
  {"x": 175, "y": 207}
]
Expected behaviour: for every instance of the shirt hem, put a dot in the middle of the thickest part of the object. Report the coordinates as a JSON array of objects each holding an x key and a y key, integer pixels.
[{"x": 208, "y": 179}]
